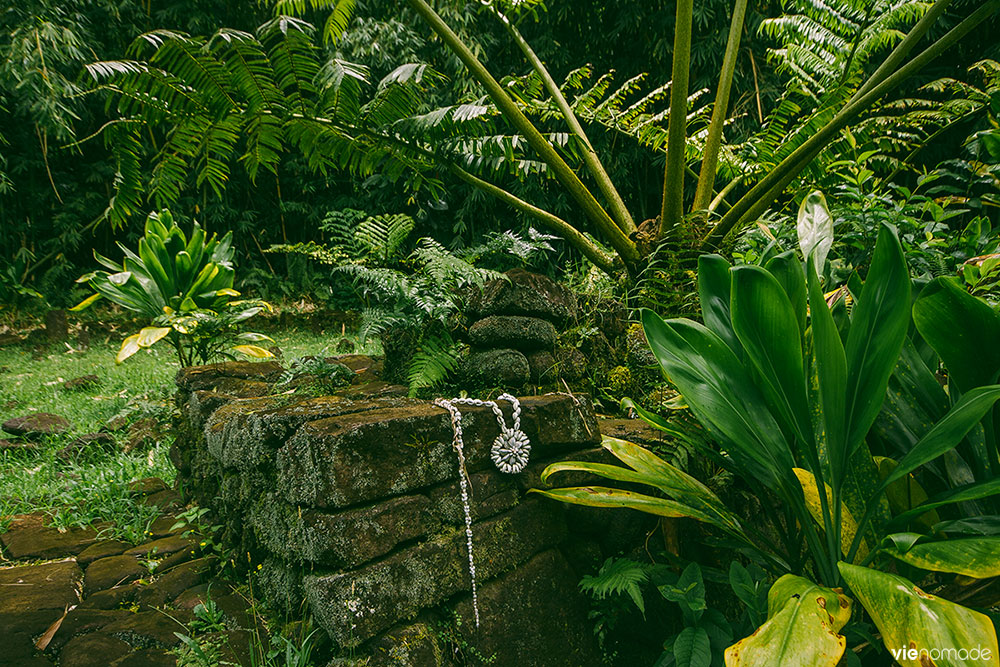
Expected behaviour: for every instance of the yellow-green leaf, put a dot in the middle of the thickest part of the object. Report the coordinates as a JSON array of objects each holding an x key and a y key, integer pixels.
[
  {"x": 86, "y": 303},
  {"x": 253, "y": 351},
  {"x": 600, "y": 496},
  {"x": 977, "y": 557},
  {"x": 803, "y": 628},
  {"x": 227, "y": 291},
  {"x": 149, "y": 335},
  {"x": 848, "y": 525},
  {"x": 129, "y": 347},
  {"x": 920, "y": 629},
  {"x": 905, "y": 493}
]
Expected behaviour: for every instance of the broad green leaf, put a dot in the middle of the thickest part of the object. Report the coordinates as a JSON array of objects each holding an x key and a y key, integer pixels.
[
  {"x": 670, "y": 479},
  {"x": 948, "y": 432},
  {"x": 714, "y": 282},
  {"x": 129, "y": 347},
  {"x": 879, "y": 322},
  {"x": 815, "y": 229},
  {"x": 119, "y": 278},
  {"x": 255, "y": 337},
  {"x": 908, "y": 618},
  {"x": 831, "y": 370},
  {"x": 973, "y": 525},
  {"x": 973, "y": 491},
  {"x": 962, "y": 329},
  {"x": 722, "y": 395},
  {"x": 149, "y": 335},
  {"x": 227, "y": 291},
  {"x": 600, "y": 496},
  {"x": 977, "y": 557},
  {"x": 86, "y": 303},
  {"x": 803, "y": 628},
  {"x": 253, "y": 351},
  {"x": 848, "y": 524},
  {"x": 689, "y": 591},
  {"x": 787, "y": 270},
  {"x": 692, "y": 648},
  {"x": 765, "y": 322}
]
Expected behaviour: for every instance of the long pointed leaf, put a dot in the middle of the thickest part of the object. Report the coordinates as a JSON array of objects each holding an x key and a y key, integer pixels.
[
  {"x": 878, "y": 327},
  {"x": 765, "y": 322}
]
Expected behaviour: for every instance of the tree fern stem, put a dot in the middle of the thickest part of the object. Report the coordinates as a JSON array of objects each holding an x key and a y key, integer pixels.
[
  {"x": 713, "y": 143},
  {"x": 593, "y": 163},
  {"x": 756, "y": 201},
  {"x": 673, "y": 180},
  {"x": 584, "y": 198},
  {"x": 589, "y": 249}
]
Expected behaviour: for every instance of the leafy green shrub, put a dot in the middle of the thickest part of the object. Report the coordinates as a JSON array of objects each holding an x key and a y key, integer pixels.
[
  {"x": 790, "y": 387},
  {"x": 411, "y": 300},
  {"x": 184, "y": 287}
]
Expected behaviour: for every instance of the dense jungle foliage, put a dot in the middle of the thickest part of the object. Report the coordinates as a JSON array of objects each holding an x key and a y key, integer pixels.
[{"x": 780, "y": 220}]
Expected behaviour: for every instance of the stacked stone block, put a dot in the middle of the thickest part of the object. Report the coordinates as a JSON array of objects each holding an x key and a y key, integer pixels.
[
  {"x": 350, "y": 504},
  {"x": 515, "y": 329}
]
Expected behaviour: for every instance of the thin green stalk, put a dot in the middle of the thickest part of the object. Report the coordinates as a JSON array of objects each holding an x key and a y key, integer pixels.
[
  {"x": 593, "y": 163},
  {"x": 713, "y": 143},
  {"x": 589, "y": 249},
  {"x": 756, "y": 201},
  {"x": 721, "y": 197},
  {"x": 673, "y": 180},
  {"x": 562, "y": 171}
]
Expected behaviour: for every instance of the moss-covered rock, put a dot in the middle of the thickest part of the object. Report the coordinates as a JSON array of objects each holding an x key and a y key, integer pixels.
[
  {"x": 534, "y": 615},
  {"x": 365, "y": 456},
  {"x": 524, "y": 293},
  {"x": 356, "y": 606},
  {"x": 496, "y": 368},
  {"x": 513, "y": 331},
  {"x": 342, "y": 540}
]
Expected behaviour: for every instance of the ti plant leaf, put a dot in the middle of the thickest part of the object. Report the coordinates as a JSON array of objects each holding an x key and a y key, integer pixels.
[
  {"x": 914, "y": 624},
  {"x": 802, "y": 628},
  {"x": 976, "y": 557},
  {"x": 687, "y": 497}
]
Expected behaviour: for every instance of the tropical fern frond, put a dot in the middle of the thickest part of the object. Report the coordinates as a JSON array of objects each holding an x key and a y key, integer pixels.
[
  {"x": 435, "y": 359},
  {"x": 617, "y": 576},
  {"x": 384, "y": 235}
]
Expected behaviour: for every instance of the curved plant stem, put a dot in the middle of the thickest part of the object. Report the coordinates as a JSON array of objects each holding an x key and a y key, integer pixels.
[
  {"x": 625, "y": 247},
  {"x": 710, "y": 159},
  {"x": 593, "y": 163}
]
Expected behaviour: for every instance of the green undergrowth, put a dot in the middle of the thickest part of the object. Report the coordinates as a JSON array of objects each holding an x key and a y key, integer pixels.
[{"x": 92, "y": 488}]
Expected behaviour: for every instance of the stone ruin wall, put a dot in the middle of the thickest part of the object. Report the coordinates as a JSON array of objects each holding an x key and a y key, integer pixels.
[{"x": 350, "y": 504}]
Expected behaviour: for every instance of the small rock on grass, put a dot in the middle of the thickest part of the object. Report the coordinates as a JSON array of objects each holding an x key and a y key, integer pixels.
[
  {"x": 146, "y": 486},
  {"x": 28, "y": 537},
  {"x": 86, "y": 443},
  {"x": 18, "y": 445},
  {"x": 100, "y": 550},
  {"x": 36, "y": 424},
  {"x": 82, "y": 382}
]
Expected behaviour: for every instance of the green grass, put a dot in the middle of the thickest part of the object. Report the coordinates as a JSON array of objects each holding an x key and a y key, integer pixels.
[{"x": 94, "y": 488}]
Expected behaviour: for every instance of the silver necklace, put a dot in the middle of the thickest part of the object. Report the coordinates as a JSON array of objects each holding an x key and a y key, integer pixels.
[{"x": 509, "y": 453}]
